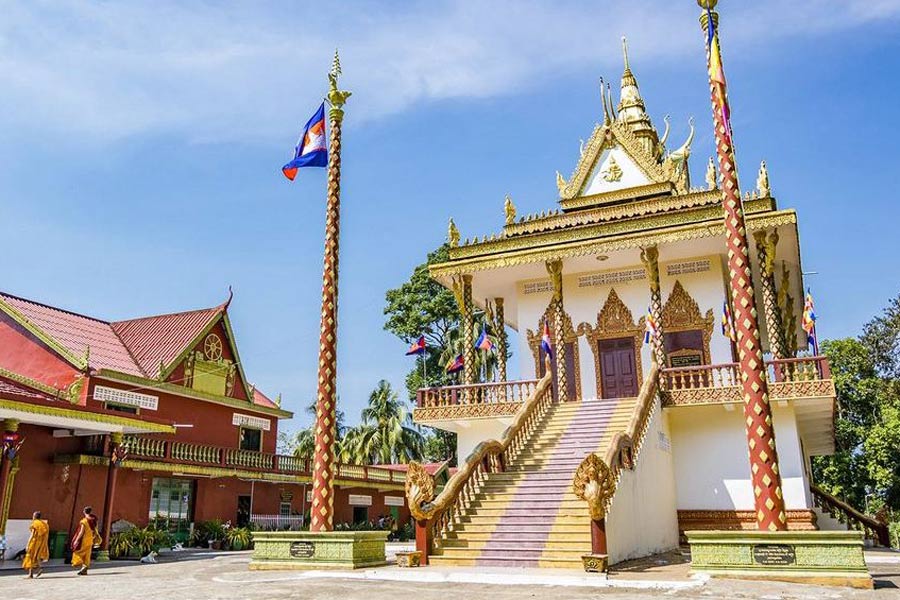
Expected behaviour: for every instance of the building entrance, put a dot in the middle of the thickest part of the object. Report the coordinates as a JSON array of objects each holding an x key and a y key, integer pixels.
[{"x": 618, "y": 368}]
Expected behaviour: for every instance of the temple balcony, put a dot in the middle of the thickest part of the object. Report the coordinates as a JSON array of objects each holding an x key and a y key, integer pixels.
[
  {"x": 803, "y": 383},
  {"x": 463, "y": 402},
  {"x": 155, "y": 454}
]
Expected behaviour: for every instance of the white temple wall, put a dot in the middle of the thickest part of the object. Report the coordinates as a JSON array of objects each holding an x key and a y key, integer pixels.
[
  {"x": 712, "y": 469},
  {"x": 477, "y": 431},
  {"x": 643, "y": 518}
]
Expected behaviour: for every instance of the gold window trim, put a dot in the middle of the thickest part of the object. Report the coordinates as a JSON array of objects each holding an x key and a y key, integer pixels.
[
  {"x": 614, "y": 321},
  {"x": 682, "y": 313},
  {"x": 570, "y": 335}
]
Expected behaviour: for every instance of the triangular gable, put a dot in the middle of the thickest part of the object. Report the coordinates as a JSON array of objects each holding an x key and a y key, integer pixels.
[{"x": 612, "y": 139}]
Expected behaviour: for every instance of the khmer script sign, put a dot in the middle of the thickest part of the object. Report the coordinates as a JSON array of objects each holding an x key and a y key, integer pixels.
[
  {"x": 303, "y": 549},
  {"x": 774, "y": 554}
]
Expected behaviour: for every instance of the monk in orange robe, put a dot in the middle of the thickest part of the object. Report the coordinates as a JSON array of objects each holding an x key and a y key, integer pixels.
[
  {"x": 37, "y": 550},
  {"x": 86, "y": 537}
]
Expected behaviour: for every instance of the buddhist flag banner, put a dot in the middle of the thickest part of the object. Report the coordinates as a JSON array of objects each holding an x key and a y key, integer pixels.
[
  {"x": 717, "y": 74},
  {"x": 546, "y": 344},
  {"x": 484, "y": 342},
  {"x": 651, "y": 327},
  {"x": 456, "y": 365},
  {"x": 809, "y": 321},
  {"x": 311, "y": 149},
  {"x": 418, "y": 347},
  {"x": 728, "y": 322}
]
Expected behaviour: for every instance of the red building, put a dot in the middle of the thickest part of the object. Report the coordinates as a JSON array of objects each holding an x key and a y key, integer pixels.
[{"x": 149, "y": 419}]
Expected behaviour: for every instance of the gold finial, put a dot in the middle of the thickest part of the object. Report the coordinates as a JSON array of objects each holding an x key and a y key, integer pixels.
[
  {"x": 278, "y": 400},
  {"x": 560, "y": 182},
  {"x": 762, "y": 181},
  {"x": 711, "y": 174},
  {"x": 625, "y": 51},
  {"x": 707, "y": 4},
  {"x": 606, "y": 117},
  {"x": 336, "y": 97},
  {"x": 452, "y": 234},
  {"x": 510, "y": 210}
]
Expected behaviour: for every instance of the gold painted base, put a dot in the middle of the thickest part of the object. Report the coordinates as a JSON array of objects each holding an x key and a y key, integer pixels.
[{"x": 816, "y": 557}]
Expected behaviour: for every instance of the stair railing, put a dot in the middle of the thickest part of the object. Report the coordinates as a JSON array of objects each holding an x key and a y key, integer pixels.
[
  {"x": 873, "y": 528},
  {"x": 437, "y": 516},
  {"x": 596, "y": 479}
]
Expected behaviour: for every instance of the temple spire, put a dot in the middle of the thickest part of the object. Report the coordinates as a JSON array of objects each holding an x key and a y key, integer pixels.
[{"x": 631, "y": 110}]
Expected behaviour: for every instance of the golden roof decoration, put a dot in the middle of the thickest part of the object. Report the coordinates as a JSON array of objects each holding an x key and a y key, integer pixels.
[{"x": 762, "y": 181}]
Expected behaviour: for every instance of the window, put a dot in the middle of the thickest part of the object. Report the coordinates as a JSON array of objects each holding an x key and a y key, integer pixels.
[
  {"x": 284, "y": 509},
  {"x": 131, "y": 410},
  {"x": 171, "y": 505},
  {"x": 251, "y": 439},
  {"x": 360, "y": 514}
]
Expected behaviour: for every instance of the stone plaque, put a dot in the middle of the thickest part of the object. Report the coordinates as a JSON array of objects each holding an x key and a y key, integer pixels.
[
  {"x": 685, "y": 360},
  {"x": 774, "y": 554},
  {"x": 303, "y": 549}
]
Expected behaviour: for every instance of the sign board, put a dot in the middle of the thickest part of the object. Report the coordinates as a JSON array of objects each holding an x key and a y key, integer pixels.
[
  {"x": 685, "y": 360},
  {"x": 774, "y": 554},
  {"x": 394, "y": 501},
  {"x": 302, "y": 549},
  {"x": 359, "y": 500}
]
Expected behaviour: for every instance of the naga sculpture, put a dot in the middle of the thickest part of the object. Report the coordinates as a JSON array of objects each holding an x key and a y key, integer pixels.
[
  {"x": 675, "y": 164},
  {"x": 510, "y": 209},
  {"x": 452, "y": 234},
  {"x": 420, "y": 492},
  {"x": 595, "y": 484}
]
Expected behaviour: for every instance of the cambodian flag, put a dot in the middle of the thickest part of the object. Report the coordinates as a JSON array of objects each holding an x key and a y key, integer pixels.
[
  {"x": 418, "y": 347},
  {"x": 484, "y": 342},
  {"x": 311, "y": 150},
  {"x": 546, "y": 344},
  {"x": 456, "y": 365}
]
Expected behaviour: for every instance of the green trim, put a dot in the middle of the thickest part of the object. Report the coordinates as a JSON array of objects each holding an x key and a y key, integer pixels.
[
  {"x": 64, "y": 352},
  {"x": 226, "y": 322},
  {"x": 171, "y": 388},
  {"x": 70, "y": 413},
  {"x": 33, "y": 383}
]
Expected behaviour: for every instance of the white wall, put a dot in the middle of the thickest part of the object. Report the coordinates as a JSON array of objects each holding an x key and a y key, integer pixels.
[
  {"x": 643, "y": 518},
  {"x": 17, "y": 534},
  {"x": 712, "y": 469},
  {"x": 476, "y": 432}
]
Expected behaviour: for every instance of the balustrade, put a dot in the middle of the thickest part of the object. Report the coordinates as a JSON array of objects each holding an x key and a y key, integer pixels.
[
  {"x": 145, "y": 447},
  {"x": 873, "y": 528},
  {"x": 479, "y": 393}
]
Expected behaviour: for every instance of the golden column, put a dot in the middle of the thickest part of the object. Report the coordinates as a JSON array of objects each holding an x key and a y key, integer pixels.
[
  {"x": 500, "y": 331},
  {"x": 765, "y": 475},
  {"x": 9, "y": 450},
  {"x": 322, "y": 510},
  {"x": 467, "y": 322},
  {"x": 554, "y": 269},
  {"x": 765, "y": 251},
  {"x": 650, "y": 259}
]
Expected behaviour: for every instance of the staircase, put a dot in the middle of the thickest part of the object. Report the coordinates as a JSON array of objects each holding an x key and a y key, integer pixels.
[{"x": 528, "y": 515}]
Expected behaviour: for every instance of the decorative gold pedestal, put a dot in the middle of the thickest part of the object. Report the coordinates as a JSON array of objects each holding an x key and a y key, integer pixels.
[
  {"x": 284, "y": 550},
  {"x": 409, "y": 559},
  {"x": 595, "y": 563},
  {"x": 818, "y": 557}
]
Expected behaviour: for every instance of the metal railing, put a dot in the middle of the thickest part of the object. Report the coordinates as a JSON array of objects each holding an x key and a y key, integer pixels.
[{"x": 276, "y": 522}]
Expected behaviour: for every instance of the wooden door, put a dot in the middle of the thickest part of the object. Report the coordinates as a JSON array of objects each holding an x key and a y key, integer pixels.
[{"x": 618, "y": 368}]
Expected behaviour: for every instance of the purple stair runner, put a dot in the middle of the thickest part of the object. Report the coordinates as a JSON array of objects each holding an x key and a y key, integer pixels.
[{"x": 524, "y": 527}]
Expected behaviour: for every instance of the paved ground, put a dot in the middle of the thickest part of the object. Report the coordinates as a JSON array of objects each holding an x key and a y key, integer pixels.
[{"x": 225, "y": 576}]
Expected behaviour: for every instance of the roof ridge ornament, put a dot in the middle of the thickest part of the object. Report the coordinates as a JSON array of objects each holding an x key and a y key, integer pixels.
[{"x": 762, "y": 181}]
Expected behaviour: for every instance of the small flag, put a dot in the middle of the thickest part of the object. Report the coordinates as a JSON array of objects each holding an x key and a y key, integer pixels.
[
  {"x": 651, "y": 327},
  {"x": 311, "y": 149},
  {"x": 456, "y": 365},
  {"x": 484, "y": 342},
  {"x": 717, "y": 74},
  {"x": 418, "y": 347},
  {"x": 809, "y": 318},
  {"x": 546, "y": 344},
  {"x": 728, "y": 322}
]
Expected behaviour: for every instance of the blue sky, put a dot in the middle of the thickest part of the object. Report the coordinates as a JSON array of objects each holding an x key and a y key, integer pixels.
[{"x": 142, "y": 145}]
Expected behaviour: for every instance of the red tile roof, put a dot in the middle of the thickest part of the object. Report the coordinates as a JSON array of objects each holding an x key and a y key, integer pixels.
[
  {"x": 155, "y": 340},
  {"x": 17, "y": 391},
  {"x": 135, "y": 347}
]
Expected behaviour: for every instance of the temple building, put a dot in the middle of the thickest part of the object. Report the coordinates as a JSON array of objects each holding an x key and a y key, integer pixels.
[
  {"x": 151, "y": 420},
  {"x": 635, "y": 235}
]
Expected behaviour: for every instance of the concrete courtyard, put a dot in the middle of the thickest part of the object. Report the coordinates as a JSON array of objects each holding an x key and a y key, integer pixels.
[{"x": 212, "y": 576}]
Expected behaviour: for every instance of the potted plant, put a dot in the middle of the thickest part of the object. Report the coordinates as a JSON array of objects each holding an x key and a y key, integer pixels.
[
  {"x": 238, "y": 538},
  {"x": 215, "y": 533}
]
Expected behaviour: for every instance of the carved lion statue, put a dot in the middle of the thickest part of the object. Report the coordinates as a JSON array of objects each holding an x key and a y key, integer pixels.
[
  {"x": 419, "y": 492},
  {"x": 594, "y": 483}
]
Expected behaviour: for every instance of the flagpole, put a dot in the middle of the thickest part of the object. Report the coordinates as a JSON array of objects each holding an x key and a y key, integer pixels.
[
  {"x": 322, "y": 510},
  {"x": 764, "y": 470}
]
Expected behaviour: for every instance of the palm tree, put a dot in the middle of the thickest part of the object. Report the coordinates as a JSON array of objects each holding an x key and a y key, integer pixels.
[
  {"x": 386, "y": 434},
  {"x": 485, "y": 361},
  {"x": 304, "y": 443}
]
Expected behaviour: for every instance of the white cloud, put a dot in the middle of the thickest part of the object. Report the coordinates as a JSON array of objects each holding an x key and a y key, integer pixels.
[{"x": 104, "y": 71}]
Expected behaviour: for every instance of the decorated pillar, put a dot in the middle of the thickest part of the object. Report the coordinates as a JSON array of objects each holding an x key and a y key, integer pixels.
[
  {"x": 765, "y": 475},
  {"x": 650, "y": 259},
  {"x": 503, "y": 345},
  {"x": 9, "y": 450},
  {"x": 467, "y": 322},
  {"x": 322, "y": 510},
  {"x": 765, "y": 251},
  {"x": 554, "y": 269},
  {"x": 117, "y": 454}
]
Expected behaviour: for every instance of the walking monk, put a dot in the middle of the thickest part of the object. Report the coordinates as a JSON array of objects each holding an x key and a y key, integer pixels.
[
  {"x": 86, "y": 537},
  {"x": 37, "y": 550}
]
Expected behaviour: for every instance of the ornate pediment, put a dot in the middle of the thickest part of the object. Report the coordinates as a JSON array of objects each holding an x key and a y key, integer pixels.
[{"x": 682, "y": 312}]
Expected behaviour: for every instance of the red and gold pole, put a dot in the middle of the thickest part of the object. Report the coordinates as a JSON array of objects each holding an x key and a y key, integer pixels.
[
  {"x": 765, "y": 476},
  {"x": 322, "y": 511}
]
